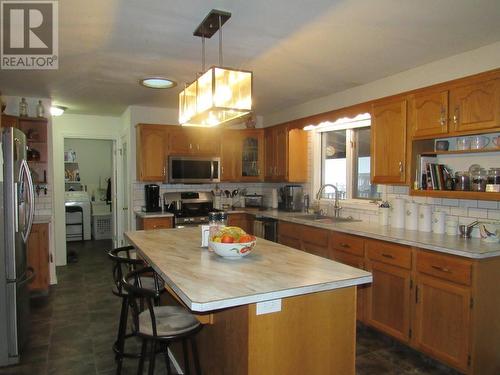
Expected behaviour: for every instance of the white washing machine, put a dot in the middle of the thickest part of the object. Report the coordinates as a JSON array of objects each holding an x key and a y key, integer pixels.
[{"x": 78, "y": 199}]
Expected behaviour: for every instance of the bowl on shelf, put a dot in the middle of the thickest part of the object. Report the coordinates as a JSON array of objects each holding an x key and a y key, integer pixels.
[{"x": 233, "y": 250}]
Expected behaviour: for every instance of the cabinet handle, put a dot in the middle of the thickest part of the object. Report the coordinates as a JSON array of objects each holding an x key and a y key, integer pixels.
[
  {"x": 198, "y": 147},
  {"x": 442, "y": 269},
  {"x": 190, "y": 146},
  {"x": 442, "y": 120},
  {"x": 388, "y": 256},
  {"x": 344, "y": 245},
  {"x": 455, "y": 116},
  {"x": 401, "y": 169}
]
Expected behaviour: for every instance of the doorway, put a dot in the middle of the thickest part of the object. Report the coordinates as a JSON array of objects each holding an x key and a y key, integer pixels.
[{"x": 89, "y": 190}]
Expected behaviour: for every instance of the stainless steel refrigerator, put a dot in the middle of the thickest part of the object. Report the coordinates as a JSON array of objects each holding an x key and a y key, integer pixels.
[{"x": 16, "y": 218}]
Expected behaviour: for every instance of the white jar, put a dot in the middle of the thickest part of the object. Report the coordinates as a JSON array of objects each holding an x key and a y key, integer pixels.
[
  {"x": 411, "y": 219},
  {"x": 452, "y": 226},
  {"x": 424, "y": 218},
  {"x": 398, "y": 213},
  {"x": 383, "y": 215},
  {"x": 439, "y": 222}
]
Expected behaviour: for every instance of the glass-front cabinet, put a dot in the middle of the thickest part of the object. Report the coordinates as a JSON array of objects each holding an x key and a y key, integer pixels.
[{"x": 252, "y": 155}]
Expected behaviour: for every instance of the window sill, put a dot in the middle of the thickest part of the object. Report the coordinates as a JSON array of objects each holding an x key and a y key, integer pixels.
[{"x": 359, "y": 204}]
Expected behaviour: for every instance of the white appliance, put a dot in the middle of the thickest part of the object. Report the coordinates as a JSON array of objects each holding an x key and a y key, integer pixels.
[
  {"x": 78, "y": 199},
  {"x": 16, "y": 218}
]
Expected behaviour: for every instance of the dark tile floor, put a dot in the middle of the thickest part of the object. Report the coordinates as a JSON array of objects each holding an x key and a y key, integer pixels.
[{"x": 73, "y": 329}]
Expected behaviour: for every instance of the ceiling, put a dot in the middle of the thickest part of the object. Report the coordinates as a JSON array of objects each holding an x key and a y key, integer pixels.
[{"x": 297, "y": 50}]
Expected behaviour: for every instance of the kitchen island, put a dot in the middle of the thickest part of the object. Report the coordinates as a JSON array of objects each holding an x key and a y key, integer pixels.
[{"x": 276, "y": 311}]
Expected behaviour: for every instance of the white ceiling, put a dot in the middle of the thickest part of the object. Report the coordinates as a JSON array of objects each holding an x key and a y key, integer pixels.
[{"x": 298, "y": 50}]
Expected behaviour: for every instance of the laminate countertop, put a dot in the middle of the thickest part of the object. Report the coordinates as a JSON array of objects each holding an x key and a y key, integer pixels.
[
  {"x": 206, "y": 282},
  {"x": 146, "y": 215},
  {"x": 473, "y": 248}
]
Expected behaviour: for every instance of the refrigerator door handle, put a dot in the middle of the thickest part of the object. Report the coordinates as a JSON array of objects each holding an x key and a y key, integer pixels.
[
  {"x": 16, "y": 210},
  {"x": 31, "y": 199}
]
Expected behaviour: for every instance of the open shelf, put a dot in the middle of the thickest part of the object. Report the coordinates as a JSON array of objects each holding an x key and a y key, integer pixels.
[
  {"x": 459, "y": 152},
  {"x": 453, "y": 194}
]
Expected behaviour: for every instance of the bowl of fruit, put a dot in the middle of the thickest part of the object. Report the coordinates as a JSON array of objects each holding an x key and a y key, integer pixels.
[{"x": 232, "y": 242}]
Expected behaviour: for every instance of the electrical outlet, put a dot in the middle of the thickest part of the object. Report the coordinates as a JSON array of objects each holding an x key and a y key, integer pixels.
[{"x": 268, "y": 307}]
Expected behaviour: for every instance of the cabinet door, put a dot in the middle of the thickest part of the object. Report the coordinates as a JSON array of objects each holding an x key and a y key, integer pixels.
[
  {"x": 388, "y": 145},
  {"x": 243, "y": 221},
  {"x": 281, "y": 154},
  {"x": 151, "y": 153},
  {"x": 442, "y": 321},
  {"x": 315, "y": 241},
  {"x": 179, "y": 142},
  {"x": 297, "y": 158},
  {"x": 206, "y": 142},
  {"x": 157, "y": 223},
  {"x": 430, "y": 114},
  {"x": 388, "y": 300},
  {"x": 289, "y": 241},
  {"x": 270, "y": 146},
  {"x": 475, "y": 106},
  {"x": 38, "y": 257},
  {"x": 252, "y": 155},
  {"x": 230, "y": 151}
]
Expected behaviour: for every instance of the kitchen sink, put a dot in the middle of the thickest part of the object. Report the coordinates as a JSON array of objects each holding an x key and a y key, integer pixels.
[{"x": 326, "y": 219}]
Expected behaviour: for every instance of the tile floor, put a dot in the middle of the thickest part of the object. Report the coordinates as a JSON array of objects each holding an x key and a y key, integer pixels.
[{"x": 73, "y": 329}]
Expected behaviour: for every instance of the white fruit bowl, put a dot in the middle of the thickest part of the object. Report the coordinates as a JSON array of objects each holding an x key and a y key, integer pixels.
[{"x": 232, "y": 250}]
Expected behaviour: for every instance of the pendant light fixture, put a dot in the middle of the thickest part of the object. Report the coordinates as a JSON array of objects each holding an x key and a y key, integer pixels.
[{"x": 219, "y": 95}]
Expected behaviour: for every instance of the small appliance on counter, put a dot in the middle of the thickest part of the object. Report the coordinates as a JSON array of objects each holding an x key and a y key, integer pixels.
[
  {"x": 292, "y": 198},
  {"x": 152, "y": 198},
  {"x": 254, "y": 201}
]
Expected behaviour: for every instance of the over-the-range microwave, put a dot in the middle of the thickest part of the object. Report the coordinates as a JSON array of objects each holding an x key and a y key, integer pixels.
[{"x": 193, "y": 169}]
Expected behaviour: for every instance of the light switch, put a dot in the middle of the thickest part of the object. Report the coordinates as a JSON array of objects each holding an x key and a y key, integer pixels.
[{"x": 269, "y": 307}]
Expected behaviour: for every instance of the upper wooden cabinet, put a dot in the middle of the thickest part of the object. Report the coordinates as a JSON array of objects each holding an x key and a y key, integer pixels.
[
  {"x": 475, "y": 106},
  {"x": 286, "y": 154},
  {"x": 199, "y": 141},
  {"x": 430, "y": 113},
  {"x": 151, "y": 152},
  {"x": 388, "y": 143},
  {"x": 230, "y": 154}
]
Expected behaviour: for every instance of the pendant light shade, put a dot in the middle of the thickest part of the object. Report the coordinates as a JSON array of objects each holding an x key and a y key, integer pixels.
[{"x": 219, "y": 95}]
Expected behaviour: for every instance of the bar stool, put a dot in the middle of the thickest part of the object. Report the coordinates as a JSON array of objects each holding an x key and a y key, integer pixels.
[
  {"x": 124, "y": 261},
  {"x": 159, "y": 325}
]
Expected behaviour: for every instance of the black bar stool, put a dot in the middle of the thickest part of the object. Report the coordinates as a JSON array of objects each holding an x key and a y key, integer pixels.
[
  {"x": 125, "y": 261},
  {"x": 159, "y": 325}
]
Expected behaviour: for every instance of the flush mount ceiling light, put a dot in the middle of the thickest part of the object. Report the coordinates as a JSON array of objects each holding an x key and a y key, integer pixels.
[
  {"x": 219, "y": 95},
  {"x": 57, "y": 110},
  {"x": 158, "y": 83}
]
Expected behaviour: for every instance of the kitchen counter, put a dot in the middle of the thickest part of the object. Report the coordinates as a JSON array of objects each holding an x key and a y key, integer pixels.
[
  {"x": 261, "y": 310},
  {"x": 146, "y": 215},
  {"x": 205, "y": 282},
  {"x": 469, "y": 248}
]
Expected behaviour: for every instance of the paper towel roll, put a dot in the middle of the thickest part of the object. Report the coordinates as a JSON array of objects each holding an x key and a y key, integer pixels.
[
  {"x": 398, "y": 213},
  {"x": 439, "y": 222},
  {"x": 274, "y": 198},
  {"x": 424, "y": 218},
  {"x": 411, "y": 219},
  {"x": 383, "y": 215}
]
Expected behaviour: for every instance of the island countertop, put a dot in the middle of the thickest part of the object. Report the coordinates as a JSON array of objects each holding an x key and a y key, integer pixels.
[{"x": 206, "y": 282}]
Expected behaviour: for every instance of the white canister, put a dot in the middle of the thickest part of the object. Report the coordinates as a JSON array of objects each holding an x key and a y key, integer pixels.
[
  {"x": 411, "y": 219},
  {"x": 452, "y": 226},
  {"x": 274, "y": 198},
  {"x": 398, "y": 213},
  {"x": 424, "y": 218},
  {"x": 383, "y": 215},
  {"x": 439, "y": 222}
]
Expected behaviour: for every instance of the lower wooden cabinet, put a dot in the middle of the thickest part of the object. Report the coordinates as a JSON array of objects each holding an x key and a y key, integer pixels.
[
  {"x": 244, "y": 221},
  {"x": 150, "y": 223},
  {"x": 38, "y": 257}
]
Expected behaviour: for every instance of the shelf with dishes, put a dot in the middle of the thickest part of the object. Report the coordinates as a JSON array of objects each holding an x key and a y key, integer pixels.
[{"x": 457, "y": 167}]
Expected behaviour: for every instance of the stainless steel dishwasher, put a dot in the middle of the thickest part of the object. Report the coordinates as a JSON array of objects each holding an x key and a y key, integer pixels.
[{"x": 266, "y": 227}]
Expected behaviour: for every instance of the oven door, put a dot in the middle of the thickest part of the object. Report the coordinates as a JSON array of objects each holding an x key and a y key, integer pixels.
[{"x": 193, "y": 169}]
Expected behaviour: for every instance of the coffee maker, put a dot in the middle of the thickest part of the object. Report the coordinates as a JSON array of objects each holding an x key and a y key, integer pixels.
[
  {"x": 152, "y": 198},
  {"x": 292, "y": 198}
]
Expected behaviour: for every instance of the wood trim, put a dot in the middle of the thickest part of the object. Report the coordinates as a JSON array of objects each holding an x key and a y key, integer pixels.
[{"x": 456, "y": 194}]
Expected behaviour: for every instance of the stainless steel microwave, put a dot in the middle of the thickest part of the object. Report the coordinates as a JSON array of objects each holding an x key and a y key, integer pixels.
[{"x": 193, "y": 169}]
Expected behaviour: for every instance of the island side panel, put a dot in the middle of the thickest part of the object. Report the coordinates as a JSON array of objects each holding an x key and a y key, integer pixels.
[{"x": 313, "y": 334}]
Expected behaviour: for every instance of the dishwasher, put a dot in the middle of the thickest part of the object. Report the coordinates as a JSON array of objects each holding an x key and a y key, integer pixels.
[{"x": 266, "y": 227}]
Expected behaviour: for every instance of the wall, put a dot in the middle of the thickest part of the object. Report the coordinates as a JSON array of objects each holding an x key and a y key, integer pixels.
[
  {"x": 94, "y": 158},
  {"x": 461, "y": 65},
  {"x": 74, "y": 126}
]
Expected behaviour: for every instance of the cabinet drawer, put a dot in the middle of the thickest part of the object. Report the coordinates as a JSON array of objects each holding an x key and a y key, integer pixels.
[
  {"x": 445, "y": 267},
  {"x": 289, "y": 229},
  {"x": 346, "y": 258},
  {"x": 347, "y": 243},
  {"x": 315, "y": 236},
  {"x": 389, "y": 253},
  {"x": 158, "y": 223}
]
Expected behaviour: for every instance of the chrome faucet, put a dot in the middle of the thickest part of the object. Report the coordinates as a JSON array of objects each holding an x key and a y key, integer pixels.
[{"x": 336, "y": 205}]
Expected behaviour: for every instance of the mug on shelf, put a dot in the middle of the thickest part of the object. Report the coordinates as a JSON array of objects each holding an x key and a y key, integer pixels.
[
  {"x": 479, "y": 142},
  {"x": 495, "y": 140},
  {"x": 442, "y": 145},
  {"x": 463, "y": 143}
]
